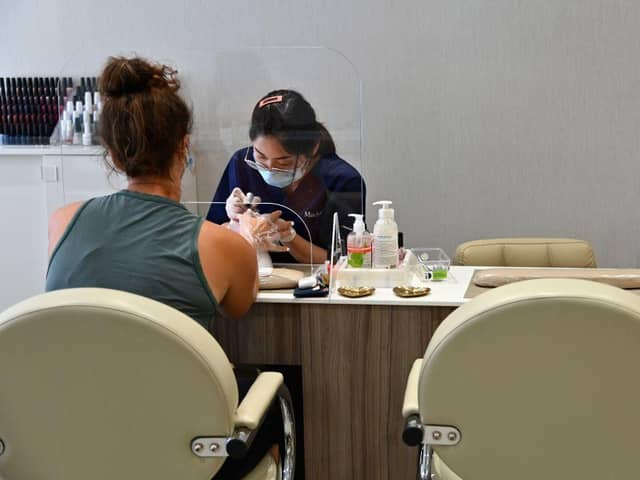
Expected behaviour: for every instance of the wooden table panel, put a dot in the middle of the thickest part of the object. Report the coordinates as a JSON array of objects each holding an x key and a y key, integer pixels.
[
  {"x": 355, "y": 360},
  {"x": 269, "y": 334}
]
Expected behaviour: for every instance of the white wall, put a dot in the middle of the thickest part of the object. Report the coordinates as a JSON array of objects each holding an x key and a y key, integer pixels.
[{"x": 480, "y": 117}]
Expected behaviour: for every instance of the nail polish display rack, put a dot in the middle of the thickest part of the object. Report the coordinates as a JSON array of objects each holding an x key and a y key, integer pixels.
[{"x": 31, "y": 108}]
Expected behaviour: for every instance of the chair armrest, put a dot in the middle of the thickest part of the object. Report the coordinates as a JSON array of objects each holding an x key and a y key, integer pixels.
[
  {"x": 410, "y": 404},
  {"x": 256, "y": 402}
]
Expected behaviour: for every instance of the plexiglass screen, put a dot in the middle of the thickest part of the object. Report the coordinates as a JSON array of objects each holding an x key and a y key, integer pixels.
[{"x": 274, "y": 130}]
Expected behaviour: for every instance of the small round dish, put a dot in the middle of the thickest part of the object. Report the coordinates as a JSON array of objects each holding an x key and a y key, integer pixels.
[
  {"x": 407, "y": 291},
  {"x": 355, "y": 292}
]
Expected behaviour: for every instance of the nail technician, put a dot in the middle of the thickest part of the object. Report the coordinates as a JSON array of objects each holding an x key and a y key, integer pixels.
[{"x": 292, "y": 162}]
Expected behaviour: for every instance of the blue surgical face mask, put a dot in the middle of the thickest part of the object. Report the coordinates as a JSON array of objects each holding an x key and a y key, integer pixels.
[{"x": 281, "y": 179}]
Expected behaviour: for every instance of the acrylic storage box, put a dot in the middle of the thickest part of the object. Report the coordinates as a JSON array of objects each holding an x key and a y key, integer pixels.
[
  {"x": 433, "y": 262},
  {"x": 345, "y": 275}
]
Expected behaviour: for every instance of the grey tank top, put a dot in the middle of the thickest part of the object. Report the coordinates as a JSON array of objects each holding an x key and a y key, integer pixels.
[{"x": 139, "y": 243}]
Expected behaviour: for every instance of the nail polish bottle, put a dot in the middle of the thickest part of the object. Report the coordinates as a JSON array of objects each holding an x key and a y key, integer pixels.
[
  {"x": 86, "y": 131},
  {"x": 67, "y": 128},
  {"x": 94, "y": 126},
  {"x": 77, "y": 131},
  {"x": 43, "y": 130},
  {"x": 21, "y": 136},
  {"x": 63, "y": 127},
  {"x": 69, "y": 89},
  {"x": 88, "y": 103},
  {"x": 28, "y": 135},
  {"x": 401, "y": 250}
]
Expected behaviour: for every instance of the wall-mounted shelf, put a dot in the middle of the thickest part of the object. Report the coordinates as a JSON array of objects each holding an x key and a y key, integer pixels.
[{"x": 41, "y": 150}]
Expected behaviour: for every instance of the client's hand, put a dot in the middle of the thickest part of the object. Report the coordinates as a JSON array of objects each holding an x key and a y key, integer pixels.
[
  {"x": 285, "y": 231},
  {"x": 237, "y": 203},
  {"x": 260, "y": 230}
]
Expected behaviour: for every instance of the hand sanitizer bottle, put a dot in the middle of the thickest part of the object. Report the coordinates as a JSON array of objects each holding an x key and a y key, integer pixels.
[
  {"x": 385, "y": 237},
  {"x": 359, "y": 244}
]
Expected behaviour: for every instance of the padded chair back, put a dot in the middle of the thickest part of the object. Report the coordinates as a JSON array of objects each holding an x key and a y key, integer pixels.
[
  {"x": 541, "y": 378},
  {"x": 526, "y": 252},
  {"x": 104, "y": 385}
]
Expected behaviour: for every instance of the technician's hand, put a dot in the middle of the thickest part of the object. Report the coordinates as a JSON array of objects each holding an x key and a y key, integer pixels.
[
  {"x": 260, "y": 230},
  {"x": 237, "y": 203}
]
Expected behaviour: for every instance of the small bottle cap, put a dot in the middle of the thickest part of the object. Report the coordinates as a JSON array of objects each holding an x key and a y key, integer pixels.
[{"x": 385, "y": 211}]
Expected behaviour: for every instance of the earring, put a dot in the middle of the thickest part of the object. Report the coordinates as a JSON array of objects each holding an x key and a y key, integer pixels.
[{"x": 189, "y": 162}]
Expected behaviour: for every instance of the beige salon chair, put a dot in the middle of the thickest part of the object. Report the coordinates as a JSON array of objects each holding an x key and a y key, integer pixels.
[
  {"x": 526, "y": 252},
  {"x": 100, "y": 384},
  {"x": 533, "y": 380}
]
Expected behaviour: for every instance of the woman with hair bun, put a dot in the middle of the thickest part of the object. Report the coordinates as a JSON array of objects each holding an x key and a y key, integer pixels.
[
  {"x": 293, "y": 162},
  {"x": 141, "y": 239}
]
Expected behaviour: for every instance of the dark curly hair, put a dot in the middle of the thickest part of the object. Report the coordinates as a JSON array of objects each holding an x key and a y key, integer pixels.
[{"x": 143, "y": 119}]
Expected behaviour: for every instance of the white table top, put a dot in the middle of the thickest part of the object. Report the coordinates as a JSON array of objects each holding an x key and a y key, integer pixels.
[{"x": 448, "y": 293}]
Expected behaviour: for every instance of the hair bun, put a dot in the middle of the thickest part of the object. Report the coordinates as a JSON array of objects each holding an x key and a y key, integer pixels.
[{"x": 127, "y": 76}]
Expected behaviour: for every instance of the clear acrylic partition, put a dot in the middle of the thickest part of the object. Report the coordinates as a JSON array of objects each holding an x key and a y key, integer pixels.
[{"x": 222, "y": 87}]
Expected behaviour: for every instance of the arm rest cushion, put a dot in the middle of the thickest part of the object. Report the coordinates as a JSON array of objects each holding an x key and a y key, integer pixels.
[
  {"x": 255, "y": 404},
  {"x": 410, "y": 404}
]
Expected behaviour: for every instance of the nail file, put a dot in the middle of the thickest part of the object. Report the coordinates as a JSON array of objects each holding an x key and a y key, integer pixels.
[{"x": 248, "y": 201}]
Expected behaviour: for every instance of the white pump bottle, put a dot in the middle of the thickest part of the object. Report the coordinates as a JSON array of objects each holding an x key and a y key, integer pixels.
[{"x": 385, "y": 237}]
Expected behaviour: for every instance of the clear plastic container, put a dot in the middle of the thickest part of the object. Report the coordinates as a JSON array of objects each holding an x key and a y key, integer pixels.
[
  {"x": 405, "y": 274},
  {"x": 434, "y": 263}
]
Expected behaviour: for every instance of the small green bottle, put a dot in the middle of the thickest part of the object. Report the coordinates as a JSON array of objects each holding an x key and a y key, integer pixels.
[{"x": 359, "y": 244}]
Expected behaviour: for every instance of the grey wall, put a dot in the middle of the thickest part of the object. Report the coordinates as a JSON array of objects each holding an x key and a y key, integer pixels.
[{"x": 481, "y": 118}]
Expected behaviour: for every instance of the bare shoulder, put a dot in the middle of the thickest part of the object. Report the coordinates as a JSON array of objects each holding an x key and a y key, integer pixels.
[
  {"x": 223, "y": 250},
  {"x": 62, "y": 216},
  {"x": 59, "y": 221},
  {"x": 68, "y": 210},
  {"x": 229, "y": 264}
]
